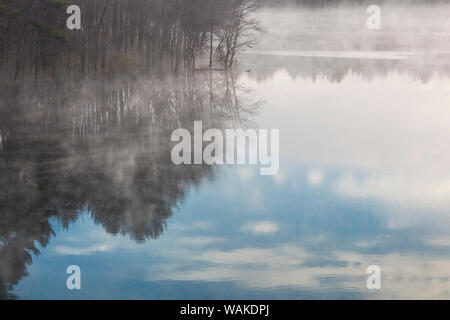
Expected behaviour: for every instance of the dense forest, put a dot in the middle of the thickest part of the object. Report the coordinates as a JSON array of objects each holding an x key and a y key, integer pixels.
[{"x": 121, "y": 35}]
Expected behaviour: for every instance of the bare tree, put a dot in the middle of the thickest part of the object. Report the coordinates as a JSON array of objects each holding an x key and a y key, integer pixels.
[{"x": 239, "y": 31}]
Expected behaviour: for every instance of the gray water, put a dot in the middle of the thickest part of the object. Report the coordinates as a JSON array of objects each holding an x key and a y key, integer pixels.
[{"x": 87, "y": 180}]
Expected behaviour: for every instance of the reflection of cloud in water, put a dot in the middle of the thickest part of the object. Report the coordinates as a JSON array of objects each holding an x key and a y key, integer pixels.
[
  {"x": 387, "y": 137},
  {"x": 261, "y": 228},
  {"x": 200, "y": 241},
  {"x": 75, "y": 251},
  {"x": 407, "y": 188},
  {"x": 405, "y": 276},
  {"x": 315, "y": 177}
]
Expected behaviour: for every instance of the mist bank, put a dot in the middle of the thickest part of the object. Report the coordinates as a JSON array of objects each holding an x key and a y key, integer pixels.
[{"x": 418, "y": 28}]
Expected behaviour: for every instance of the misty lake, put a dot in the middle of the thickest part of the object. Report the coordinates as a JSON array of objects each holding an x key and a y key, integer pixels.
[{"x": 364, "y": 118}]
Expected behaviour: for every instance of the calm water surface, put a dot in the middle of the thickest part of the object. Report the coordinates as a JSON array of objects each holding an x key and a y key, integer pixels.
[{"x": 364, "y": 180}]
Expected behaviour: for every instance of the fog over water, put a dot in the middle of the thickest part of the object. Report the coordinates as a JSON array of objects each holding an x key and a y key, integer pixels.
[
  {"x": 416, "y": 28},
  {"x": 364, "y": 119}
]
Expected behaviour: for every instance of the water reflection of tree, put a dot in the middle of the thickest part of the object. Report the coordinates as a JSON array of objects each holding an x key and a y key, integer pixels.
[
  {"x": 104, "y": 147},
  {"x": 336, "y": 69},
  {"x": 226, "y": 103}
]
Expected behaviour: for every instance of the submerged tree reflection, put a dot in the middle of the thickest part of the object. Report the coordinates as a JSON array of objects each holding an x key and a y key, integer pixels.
[{"x": 104, "y": 146}]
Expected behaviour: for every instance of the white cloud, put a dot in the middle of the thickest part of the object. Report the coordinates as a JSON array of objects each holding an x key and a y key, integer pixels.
[
  {"x": 259, "y": 228},
  {"x": 66, "y": 250},
  {"x": 404, "y": 276},
  {"x": 388, "y": 135},
  {"x": 246, "y": 173},
  {"x": 400, "y": 188},
  {"x": 195, "y": 226},
  {"x": 199, "y": 241},
  {"x": 315, "y": 177},
  {"x": 279, "y": 178}
]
